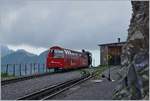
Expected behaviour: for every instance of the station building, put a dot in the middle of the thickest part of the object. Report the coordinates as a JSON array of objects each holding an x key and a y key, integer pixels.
[{"x": 110, "y": 53}]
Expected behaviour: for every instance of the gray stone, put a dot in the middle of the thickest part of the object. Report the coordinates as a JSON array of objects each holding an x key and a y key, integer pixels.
[
  {"x": 137, "y": 35},
  {"x": 134, "y": 73}
]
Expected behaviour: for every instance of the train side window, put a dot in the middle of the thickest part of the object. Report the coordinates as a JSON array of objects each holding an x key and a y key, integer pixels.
[
  {"x": 70, "y": 52},
  {"x": 51, "y": 51},
  {"x": 75, "y": 54},
  {"x": 66, "y": 51}
]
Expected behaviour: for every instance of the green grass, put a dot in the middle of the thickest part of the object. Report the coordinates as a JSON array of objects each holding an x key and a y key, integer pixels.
[
  {"x": 84, "y": 72},
  {"x": 5, "y": 75},
  {"x": 98, "y": 72}
]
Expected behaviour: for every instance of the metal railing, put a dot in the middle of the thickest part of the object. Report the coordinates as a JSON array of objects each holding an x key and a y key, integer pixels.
[{"x": 24, "y": 69}]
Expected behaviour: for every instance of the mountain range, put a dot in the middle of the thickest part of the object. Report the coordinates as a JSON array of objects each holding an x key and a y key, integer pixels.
[
  {"x": 5, "y": 50},
  {"x": 21, "y": 56}
]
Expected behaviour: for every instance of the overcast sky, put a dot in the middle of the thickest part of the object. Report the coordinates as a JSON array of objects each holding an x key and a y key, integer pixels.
[
  {"x": 72, "y": 24},
  {"x": 37, "y": 25}
]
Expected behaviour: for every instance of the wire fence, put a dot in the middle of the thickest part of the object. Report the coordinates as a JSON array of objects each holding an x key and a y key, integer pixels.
[{"x": 24, "y": 69}]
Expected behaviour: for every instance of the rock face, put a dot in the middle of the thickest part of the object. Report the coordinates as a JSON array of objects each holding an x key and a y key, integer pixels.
[{"x": 134, "y": 81}]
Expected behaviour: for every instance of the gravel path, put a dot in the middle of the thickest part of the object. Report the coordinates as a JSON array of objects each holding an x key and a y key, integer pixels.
[
  {"x": 18, "y": 89},
  {"x": 100, "y": 89},
  {"x": 113, "y": 72},
  {"x": 90, "y": 90}
]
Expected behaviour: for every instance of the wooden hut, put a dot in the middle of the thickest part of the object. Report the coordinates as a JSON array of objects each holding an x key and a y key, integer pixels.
[{"x": 110, "y": 53}]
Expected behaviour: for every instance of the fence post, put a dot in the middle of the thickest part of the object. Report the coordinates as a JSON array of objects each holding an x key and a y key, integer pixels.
[
  {"x": 7, "y": 68},
  {"x": 14, "y": 70},
  {"x": 38, "y": 68},
  {"x": 34, "y": 67},
  {"x": 43, "y": 67},
  {"x": 31, "y": 68},
  {"x": 20, "y": 69},
  {"x": 46, "y": 69},
  {"x": 25, "y": 69}
]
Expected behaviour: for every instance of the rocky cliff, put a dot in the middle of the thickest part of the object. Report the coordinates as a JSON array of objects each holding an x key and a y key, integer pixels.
[{"x": 134, "y": 74}]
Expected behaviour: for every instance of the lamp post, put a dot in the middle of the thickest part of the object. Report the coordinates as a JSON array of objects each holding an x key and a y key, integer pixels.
[{"x": 108, "y": 57}]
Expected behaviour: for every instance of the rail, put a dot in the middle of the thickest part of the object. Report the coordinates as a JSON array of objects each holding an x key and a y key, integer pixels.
[
  {"x": 49, "y": 92},
  {"x": 14, "y": 80}
]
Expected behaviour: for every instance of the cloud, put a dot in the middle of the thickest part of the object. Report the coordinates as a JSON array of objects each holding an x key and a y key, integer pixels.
[{"x": 71, "y": 24}]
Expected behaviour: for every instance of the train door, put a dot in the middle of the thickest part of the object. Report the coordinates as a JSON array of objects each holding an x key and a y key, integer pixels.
[{"x": 115, "y": 53}]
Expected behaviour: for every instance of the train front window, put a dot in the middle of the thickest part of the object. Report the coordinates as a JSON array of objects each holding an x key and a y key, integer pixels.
[{"x": 58, "y": 53}]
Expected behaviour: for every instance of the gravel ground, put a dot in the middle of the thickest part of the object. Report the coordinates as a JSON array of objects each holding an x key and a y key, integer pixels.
[
  {"x": 19, "y": 89},
  {"x": 90, "y": 90},
  {"x": 100, "y": 89},
  {"x": 113, "y": 72},
  {"x": 90, "y": 70}
]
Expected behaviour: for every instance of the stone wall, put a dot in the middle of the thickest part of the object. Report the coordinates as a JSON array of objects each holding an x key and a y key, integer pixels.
[{"x": 134, "y": 74}]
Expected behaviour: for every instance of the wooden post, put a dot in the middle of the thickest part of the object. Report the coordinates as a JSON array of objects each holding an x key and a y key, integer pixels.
[
  {"x": 43, "y": 67},
  {"x": 13, "y": 69},
  {"x": 46, "y": 69},
  {"x": 38, "y": 68},
  {"x": 34, "y": 67},
  {"x": 7, "y": 68},
  {"x": 31, "y": 68},
  {"x": 25, "y": 69},
  {"x": 20, "y": 69}
]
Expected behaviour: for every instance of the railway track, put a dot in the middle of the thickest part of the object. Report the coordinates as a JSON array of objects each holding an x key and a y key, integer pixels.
[
  {"x": 51, "y": 91},
  {"x": 14, "y": 80},
  {"x": 5, "y": 82}
]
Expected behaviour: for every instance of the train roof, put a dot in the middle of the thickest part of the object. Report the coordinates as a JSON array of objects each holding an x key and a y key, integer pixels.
[{"x": 58, "y": 47}]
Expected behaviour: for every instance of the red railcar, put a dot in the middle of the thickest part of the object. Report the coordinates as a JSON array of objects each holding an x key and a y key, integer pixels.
[{"x": 61, "y": 58}]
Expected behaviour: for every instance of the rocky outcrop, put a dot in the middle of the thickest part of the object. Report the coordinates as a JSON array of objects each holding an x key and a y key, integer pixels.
[{"x": 134, "y": 81}]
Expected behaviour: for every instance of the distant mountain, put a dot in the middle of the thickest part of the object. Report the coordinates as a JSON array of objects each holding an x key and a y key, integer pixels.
[
  {"x": 23, "y": 57},
  {"x": 5, "y": 51},
  {"x": 20, "y": 56},
  {"x": 42, "y": 57}
]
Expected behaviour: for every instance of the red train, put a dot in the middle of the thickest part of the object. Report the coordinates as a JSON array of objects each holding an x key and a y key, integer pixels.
[{"x": 61, "y": 58}]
